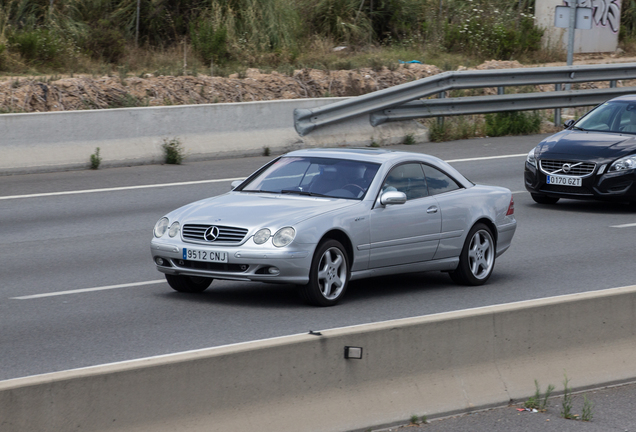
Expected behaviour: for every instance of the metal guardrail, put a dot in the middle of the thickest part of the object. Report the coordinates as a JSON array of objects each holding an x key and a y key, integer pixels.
[{"x": 395, "y": 103}]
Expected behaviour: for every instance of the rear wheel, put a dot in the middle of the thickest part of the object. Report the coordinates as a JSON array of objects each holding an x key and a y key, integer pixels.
[
  {"x": 544, "y": 199},
  {"x": 328, "y": 276},
  {"x": 477, "y": 258},
  {"x": 188, "y": 284}
]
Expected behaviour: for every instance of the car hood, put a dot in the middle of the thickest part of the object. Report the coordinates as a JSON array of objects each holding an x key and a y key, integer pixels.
[
  {"x": 256, "y": 210},
  {"x": 590, "y": 146}
]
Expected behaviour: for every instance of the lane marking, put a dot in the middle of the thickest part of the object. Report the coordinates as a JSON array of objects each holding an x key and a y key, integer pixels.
[
  {"x": 103, "y": 288},
  {"x": 624, "y": 225},
  {"x": 487, "y": 158},
  {"x": 124, "y": 188}
]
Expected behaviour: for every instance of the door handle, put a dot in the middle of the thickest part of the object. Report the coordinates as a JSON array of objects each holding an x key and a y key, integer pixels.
[{"x": 431, "y": 209}]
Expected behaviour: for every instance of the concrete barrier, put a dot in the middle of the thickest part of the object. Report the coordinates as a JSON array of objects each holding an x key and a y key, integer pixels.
[
  {"x": 38, "y": 142},
  {"x": 433, "y": 365}
]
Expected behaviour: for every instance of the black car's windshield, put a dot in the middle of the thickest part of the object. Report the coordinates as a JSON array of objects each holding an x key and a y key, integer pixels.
[
  {"x": 313, "y": 176},
  {"x": 613, "y": 116}
]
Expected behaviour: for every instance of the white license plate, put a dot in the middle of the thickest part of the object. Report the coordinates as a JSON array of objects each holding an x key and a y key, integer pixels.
[
  {"x": 202, "y": 255},
  {"x": 563, "y": 180}
]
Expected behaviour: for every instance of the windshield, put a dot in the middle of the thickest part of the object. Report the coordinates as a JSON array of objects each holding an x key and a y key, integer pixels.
[
  {"x": 614, "y": 116},
  {"x": 313, "y": 176}
]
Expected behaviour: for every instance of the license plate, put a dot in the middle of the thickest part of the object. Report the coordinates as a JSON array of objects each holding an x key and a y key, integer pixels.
[
  {"x": 563, "y": 180},
  {"x": 202, "y": 255}
]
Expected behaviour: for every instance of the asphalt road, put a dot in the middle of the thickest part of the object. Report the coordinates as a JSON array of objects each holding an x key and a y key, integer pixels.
[{"x": 78, "y": 287}]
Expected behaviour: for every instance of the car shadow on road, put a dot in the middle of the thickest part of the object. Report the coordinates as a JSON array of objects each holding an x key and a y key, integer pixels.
[{"x": 592, "y": 207}]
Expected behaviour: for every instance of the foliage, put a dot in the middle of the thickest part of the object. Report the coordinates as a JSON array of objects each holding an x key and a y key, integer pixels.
[
  {"x": 538, "y": 402},
  {"x": 487, "y": 30},
  {"x": 586, "y": 412},
  {"x": 512, "y": 123},
  {"x": 566, "y": 403},
  {"x": 173, "y": 151},
  {"x": 454, "y": 128},
  {"x": 96, "y": 160}
]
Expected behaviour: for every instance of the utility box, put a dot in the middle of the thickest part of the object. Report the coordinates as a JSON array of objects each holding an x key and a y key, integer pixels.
[{"x": 597, "y": 24}]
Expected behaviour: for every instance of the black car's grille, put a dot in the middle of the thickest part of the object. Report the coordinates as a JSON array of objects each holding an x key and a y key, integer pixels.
[
  {"x": 572, "y": 190},
  {"x": 579, "y": 169},
  {"x": 225, "y": 234}
]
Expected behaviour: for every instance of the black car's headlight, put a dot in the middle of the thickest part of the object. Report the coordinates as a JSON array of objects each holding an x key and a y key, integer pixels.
[
  {"x": 531, "y": 159},
  {"x": 161, "y": 227},
  {"x": 625, "y": 163}
]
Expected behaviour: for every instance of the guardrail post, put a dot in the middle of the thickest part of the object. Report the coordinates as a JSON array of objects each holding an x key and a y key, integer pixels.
[
  {"x": 557, "y": 111},
  {"x": 440, "y": 120},
  {"x": 501, "y": 90},
  {"x": 613, "y": 84}
]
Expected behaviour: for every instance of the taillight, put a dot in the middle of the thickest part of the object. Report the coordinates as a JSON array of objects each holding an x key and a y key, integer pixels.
[{"x": 511, "y": 207}]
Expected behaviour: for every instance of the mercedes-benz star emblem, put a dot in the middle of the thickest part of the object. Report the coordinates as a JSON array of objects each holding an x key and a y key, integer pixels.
[
  {"x": 566, "y": 168},
  {"x": 211, "y": 233}
]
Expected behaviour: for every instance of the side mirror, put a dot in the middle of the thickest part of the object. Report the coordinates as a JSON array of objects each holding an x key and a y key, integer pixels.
[
  {"x": 392, "y": 197},
  {"x": 236, "y": 183},
  {"x": 568, "y": 124}
]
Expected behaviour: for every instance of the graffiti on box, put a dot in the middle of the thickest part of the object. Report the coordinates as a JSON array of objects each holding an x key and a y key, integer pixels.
[{"x": 606, "y": 13}]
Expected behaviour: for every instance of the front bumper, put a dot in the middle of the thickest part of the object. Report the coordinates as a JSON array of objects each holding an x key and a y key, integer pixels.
[
  {"x": 609, "y": 186},
  {"x": 286, "y": 265}
]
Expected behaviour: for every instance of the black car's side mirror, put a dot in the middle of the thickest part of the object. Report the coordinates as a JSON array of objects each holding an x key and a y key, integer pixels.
[{"x": 568, "y": 124}]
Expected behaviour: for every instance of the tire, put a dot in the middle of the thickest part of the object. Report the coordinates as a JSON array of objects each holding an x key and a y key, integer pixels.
[
  {"x": 544, "y": 199},
  {"x": 188, "y": 284},
  {"x": 477, "y": 259},
  {"x": 328, "y": 276}
]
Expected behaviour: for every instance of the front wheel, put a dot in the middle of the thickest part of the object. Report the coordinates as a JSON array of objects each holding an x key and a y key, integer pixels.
[
  {"x": 477, "y": 258},
  {"x": 188, "y": 284},
  {"x": 328, "y": 276},
  {"x": 544, "y": 199}
]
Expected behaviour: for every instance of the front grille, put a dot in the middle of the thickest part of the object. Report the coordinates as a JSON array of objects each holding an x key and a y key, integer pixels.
[
  {"x": 226, "y": 234},
  {"x": 577, "y": 169}
]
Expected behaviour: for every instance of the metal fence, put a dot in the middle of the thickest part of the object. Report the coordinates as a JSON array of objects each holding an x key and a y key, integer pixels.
[{"x": 412, "y": 100}]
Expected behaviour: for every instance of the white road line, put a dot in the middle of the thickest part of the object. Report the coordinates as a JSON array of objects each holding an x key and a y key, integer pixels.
[
  {"x": 109, "y": 287},
  {"x": 48, "y": 194},
  {"x": 487, "y": 158},
  {"x": 86, "y": 191},
  {"x": 624, "y": 225}
]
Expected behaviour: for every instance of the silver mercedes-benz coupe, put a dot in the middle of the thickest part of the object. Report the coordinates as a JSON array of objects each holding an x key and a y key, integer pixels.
[{"x": 320, "y": 218}]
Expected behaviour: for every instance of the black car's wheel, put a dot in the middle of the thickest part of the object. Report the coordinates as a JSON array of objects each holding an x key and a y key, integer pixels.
[
  {"x": 477, "y": 258},
  {"x": 188, "y": 284},
  {"x": 544, "y": 199},
  {"x": 328, "y": 276}
]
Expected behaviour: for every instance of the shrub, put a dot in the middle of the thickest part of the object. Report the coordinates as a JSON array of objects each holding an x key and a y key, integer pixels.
[
  {"x": 106, "y": 42},
  {"x": 173, "y": 151},
  {"x": 41, "y": 47},
  {"x": 512, "y": 123},
  {"x": 210, "y": 43}
]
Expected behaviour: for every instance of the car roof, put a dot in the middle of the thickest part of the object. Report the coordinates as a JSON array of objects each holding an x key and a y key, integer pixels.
[
  {"x": 367, "y": 154},
  {"x": 630, "y": 97}
]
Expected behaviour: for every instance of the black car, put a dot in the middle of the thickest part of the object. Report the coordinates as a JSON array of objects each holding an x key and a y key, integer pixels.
[{"x": 593, "y": 158}]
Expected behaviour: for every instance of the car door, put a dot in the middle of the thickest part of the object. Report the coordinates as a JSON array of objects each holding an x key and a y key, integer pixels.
[
  {"x": 409, "y": 232},
  {"x": 453, "y": 207}
]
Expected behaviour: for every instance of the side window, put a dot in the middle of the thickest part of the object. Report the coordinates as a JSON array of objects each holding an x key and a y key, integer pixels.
[
  {"x": 408, "y": 178},
  {"x": 438, "y": 182}
]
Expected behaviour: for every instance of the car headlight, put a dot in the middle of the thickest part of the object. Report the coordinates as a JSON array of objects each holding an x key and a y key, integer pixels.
[
  {"x": 262, "y": 236},
  {"x": 284, "y": 236},
  {"x": 531, "y": 159},
  {"x": 161, "y": 227},
  {"x": 174, "y": 229},
  {"x": 626, "y": 163}
]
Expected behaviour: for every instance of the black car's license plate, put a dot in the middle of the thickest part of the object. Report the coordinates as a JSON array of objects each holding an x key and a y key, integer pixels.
[{"x": 564, "y": 180}]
